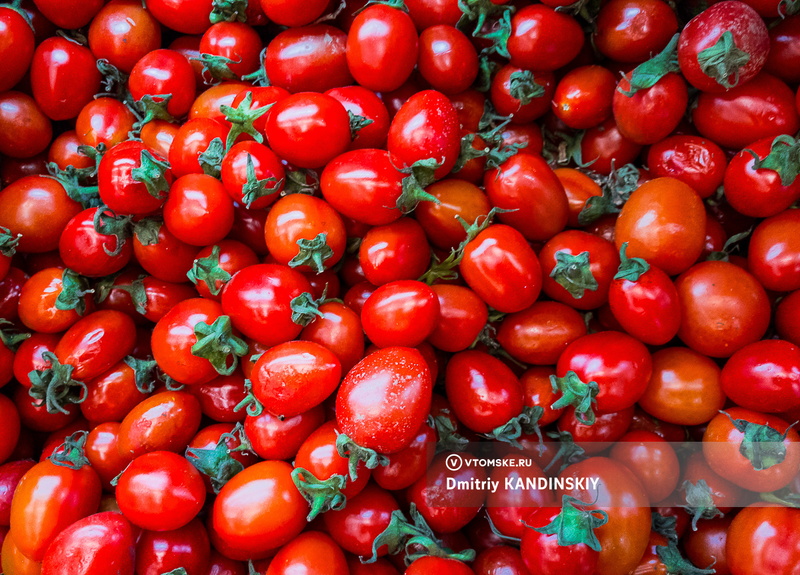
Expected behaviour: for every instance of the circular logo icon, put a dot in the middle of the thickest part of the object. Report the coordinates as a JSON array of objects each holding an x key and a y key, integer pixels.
[{"x": 453, "y": 462}]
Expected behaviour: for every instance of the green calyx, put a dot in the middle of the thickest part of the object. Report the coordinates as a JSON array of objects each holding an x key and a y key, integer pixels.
[
  {"x": 217, "y": 67},
  {"x": 217, "y": 464},
  {"x": 74, "y": 289},
  {"x": 218, "y": 345},
  {"x": 250, "y": 403},
  {"x": 568, "y": 452},
  {"x": 241, "y": 118},
  {"x": 649, "y": 73},
  {"x": 151, "y": 108},
  {"x": 526, "y": 422},
  {"x": 563, "y": 148},
  {"x": 114, "y": 82},
  {"x": 208, "y": 271},
  {"x": 616, "y": 188},
  {"x": 676, "y": 564},
  {"x": 107, "y": 223},
  {"x": 151, "y": 173},
  {"x": 211, "y": 160},
  {"x": 445, "y": 269},
  {"x": 10, "y": 337},
  {"x": 135, "y": 289},
  {"x": 575, "y": 525},
  {"x": 228, "y": 11},
  {"x": 305, "y": 308},
  {"x": 783, "y": 158},
  {"x": 357, "y": 123},
  {"x": 419, "y": 176},
  {"x": 301, "y": 181},
  {"x": 447, "y": 432},
  {"x": 700, "y": 501},
  {"x": 144, "y": 371},
  {"x": 475, "y": 13},
  {"x": 70, "y": 453},
  {"x": 176, "y": 571},
  {"x": 574, "y": 273},
  {"x": 254, "y": 188},
  {"x": 354, "y": 453},
  {"x": 8, "y": 242},
  {"x": 664, "y": 525},
  {"x": 54, "y": 386},
  {"x": 576, "y": 393},
  {"x": 146, "y": 231},
  {"x": 76, "y": 184},
  {"x": 322, "y": 495},
  {"x": 523, "y": 87},
  {"x": 723, "y": 60},
  {"x": 762, "y": 445},
  {"x": 415, "y": 538},
  {"x": 313, "y": 253},
  {"x": 630, "y": 269}
]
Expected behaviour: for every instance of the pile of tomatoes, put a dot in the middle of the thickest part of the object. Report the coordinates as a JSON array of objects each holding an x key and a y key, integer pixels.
[{"x": 266, "y": 266}]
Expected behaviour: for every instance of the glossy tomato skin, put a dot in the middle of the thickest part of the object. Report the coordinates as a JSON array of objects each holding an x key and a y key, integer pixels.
[
  {"x": 384, "y": 399},
  {"x": 160, "y": 491},
  {"x": 407, "y": 466},
  {"x": 257, "y": 511},
  {"x": 48, "y": 499},
  {"x": 85, "y": 249},
  {"x": 70, "y": 14},
  {"x": 455, "y": 198},
  {"x": 620, "y": 364},
  {"x": 603, "y": 262},
  {"x": 111, "y": 395},
  {"x": 542, "y": 553},
  {"x": 103, "y": 541},
  {"x": 266, "y": 165},
  {"x": 483, "y": 391},
  {"x": 312, "y": 552},
  {"x": 704, "y": 30},
  {"x": 543, "y": 39},
  {"x": 37, "y": 303},
  {"x": 96, "y": 342},
  {"x": 624, "y": 538},
  {"x": 697, "y": 162},
  {"x": 119, "y": 189},
  {"x": 308, "y": 129},
  {"x": 757, "y": 192},
  {"x": 382, "y": 47},
  {"x": 509, "y": 506},
  {"x": 684, "y": 388},
  {"x": 64, "y": 77},
  {"x": 162, "y": 551},
  {"x": 426, "y": 126},
  {"x": 657, "y": 206},
  {"x": 366, "y": 515},
  {"x": 185, "y": 16},
  {"x": 164, "y": 72},
  {"x": 606, "y": 147},
  {"x": 400, "y": 313},
  {"x": 650, "y": 115},
  {"x": 299, "y": 217},
  {"x": 395, "y": 251},
  {"x": 647, "y": 308},
  {"x": 166, "y": 421},
  {"x": 198, "y": 210},
  {"x": 363, "y": 102},
  {"x": 25, "y": 130},
  {"x": 42, "y": 226},
  {"x": 462, "y": 316},
  {"x": 632, "y": 31},
  {"x": 104, "y": 121},
  {"x": 122, "y": 32},
  {"x": 721, "y": 447},
  {"x": 258, "y": 299},
  {"x": 764, "y": 376},
  {"x": 363, "y": 185},
  {"x": 191, "y": 140},
  {"x": 652, "y": 459},
  {"x": 502, "y": 269},
  {"x": 785, "y": 313},
  {"x": 527, "y": 185},
  {"x": 773, "y": 256},
  {"x": 276, "y": 439},
  {"x": 16, "y": 48},
  {"x": 583, "y": 96},
  {"x": 762, "y": 108},
  {"x": 447, "y": 59},
  {"x": 761, "y": 537},
  {"x": 723, "y": 308},
  {"x": 308, "y": 59},
  {"x": 295, "y": 376}
]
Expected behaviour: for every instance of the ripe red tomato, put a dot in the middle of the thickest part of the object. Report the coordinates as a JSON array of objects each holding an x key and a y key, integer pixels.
[
  {"x": 632, "y": 31},
  {"x": 384, "y": 399},
  {"x": 16, "y": 47},
  {"x": 122, "y": 32},
  {"x": 257, "y": 511},
  {"x": 166, "y": 421},
  {"x": 761, "y": 538},
  {"x": 400, "y": 313},
  {"x": 543, "y": 39}
]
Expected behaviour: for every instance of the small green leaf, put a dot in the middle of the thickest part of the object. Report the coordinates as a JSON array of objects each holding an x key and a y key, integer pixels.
[
  {"x": 574, "y": 273},
  {"x": 630, "y": 269},
  {"x": 575, "y": 525},
  {"x": 209, "y": 271},
  {"x": 783, "y": 158},
  {"x": 576, "y": 393},
  {"x": 151, "y": 173},
  {"x": 218, "y": 345},
  {"x": 649, "y": 73}
]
